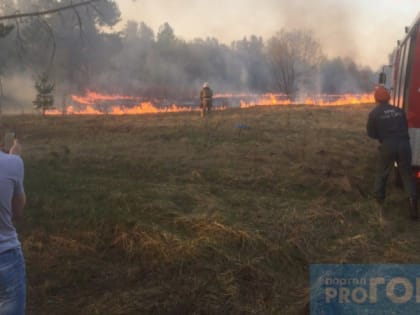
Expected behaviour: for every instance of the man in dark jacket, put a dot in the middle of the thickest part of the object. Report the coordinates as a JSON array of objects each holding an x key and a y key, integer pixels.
[{"x": 388, "y": 124}]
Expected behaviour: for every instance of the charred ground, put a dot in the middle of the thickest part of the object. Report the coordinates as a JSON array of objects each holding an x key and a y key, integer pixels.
[{"x": 172, "y": 214}]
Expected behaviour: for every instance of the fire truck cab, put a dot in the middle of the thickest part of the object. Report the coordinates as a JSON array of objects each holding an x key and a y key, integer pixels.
[{"x": 404, "y": 85}]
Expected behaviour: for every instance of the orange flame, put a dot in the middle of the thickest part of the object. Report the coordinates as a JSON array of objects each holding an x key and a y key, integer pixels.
[
  {"x": 89, "y": 103},
  {"x": 92, "y": 97},
  {"x": 321, "y": 100},
  {"x": 142, "y": 108}
]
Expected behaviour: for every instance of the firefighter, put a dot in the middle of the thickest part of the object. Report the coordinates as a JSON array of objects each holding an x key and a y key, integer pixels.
[
  {"x": 388, "y": 125},
  {"x": 206, "y": 98}
]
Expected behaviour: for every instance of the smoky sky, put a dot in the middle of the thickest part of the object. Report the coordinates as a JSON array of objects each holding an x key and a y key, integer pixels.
[
  {"x": 364, "y": 30},
  {"x": 133, "y": 67},
  {"x": 329, "y": 20}
]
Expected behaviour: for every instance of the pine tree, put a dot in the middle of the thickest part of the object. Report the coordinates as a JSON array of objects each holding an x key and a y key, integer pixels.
[{"x": 44, "y": 99}]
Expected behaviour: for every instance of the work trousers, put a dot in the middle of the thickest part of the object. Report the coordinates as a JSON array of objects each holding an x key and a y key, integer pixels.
[
  {"x": 206, "y": 105},
  {"x": 391, "y": 151}
]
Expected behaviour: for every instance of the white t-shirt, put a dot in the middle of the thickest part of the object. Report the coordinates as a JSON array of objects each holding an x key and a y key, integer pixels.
[{"x": 11, "y": 184}]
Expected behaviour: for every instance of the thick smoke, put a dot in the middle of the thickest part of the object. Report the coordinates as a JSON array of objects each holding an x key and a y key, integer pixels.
[
  {"x": 359, "y": 29},
  {"x": 332, "y": 22},
  {"x": 160, "y": 63},
  {"x": 18, "y": 93}
]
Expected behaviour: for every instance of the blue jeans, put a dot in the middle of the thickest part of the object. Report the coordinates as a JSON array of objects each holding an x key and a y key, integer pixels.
[{"x": 12, "y": 282}]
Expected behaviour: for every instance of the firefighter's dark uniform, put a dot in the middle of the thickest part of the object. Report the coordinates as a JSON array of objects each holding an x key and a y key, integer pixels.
[
  {"x": 388, "y": 124},
  {"x": 206, "y": 97}
]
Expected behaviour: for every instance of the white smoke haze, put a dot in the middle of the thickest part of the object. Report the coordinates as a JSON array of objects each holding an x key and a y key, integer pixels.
[
  {"x": 19, "y": 92},
  {"x": 331, "y": 21},
  {"x": 207, "y": 47},
  {"x": 364, "y": 30}
]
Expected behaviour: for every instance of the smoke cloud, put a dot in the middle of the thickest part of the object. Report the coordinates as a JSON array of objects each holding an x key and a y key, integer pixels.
[
  {"x": 163, "y": 61},
  {"x": 366, "y": 31},
  {"x": 18, "y": 92},
  {"x": 331, "y": 21}
]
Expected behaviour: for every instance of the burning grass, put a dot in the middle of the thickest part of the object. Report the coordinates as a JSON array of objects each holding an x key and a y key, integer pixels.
[
  {"x": 172, "y": 214},
  {"x": 93, "y": 103}
]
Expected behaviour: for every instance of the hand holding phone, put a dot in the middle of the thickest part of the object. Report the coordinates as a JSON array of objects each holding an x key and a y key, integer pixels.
[
  {"x": 9, "y": 141},
  {"x": 16, "y": 149}
]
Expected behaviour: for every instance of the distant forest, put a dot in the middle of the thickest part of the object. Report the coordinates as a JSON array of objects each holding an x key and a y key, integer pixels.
[{"x": 80, "y": 49}]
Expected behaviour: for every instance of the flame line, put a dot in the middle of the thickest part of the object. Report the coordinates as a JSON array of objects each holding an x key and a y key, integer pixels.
[{"x": 93, "y": 103}]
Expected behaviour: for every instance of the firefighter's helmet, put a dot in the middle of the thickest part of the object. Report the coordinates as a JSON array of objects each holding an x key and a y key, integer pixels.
[{"x": 381, "y": 94}]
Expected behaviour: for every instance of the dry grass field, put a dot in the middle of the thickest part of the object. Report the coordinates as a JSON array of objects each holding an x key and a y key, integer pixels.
[{"x": 173, "y": 214}]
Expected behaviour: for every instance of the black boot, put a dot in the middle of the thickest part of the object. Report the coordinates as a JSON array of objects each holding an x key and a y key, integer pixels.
[{"x": 412, "y": 202}]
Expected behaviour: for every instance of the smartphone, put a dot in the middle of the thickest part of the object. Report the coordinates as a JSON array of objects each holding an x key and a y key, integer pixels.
[{"x": 9, "y": 139}]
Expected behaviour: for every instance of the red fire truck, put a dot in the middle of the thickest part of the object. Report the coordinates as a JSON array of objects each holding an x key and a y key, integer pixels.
[{"x": 404, "y": 85}]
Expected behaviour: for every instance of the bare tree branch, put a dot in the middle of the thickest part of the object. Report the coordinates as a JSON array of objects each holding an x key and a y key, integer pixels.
[
  {"x": 51, "y": 32},
  {"x": 19, "y": 39},
  {"x": 97, "y": 11},
  {"x": 79, "y": 21},
  {"x": 46, "y": 12}
]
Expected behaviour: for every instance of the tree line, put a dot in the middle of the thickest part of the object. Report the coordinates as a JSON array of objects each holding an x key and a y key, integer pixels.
[{"x": 80, "y": 48}]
